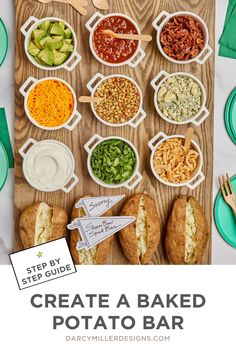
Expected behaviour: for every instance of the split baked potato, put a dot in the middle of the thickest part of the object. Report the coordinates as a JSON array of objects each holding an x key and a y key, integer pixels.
[
  {"x": 97, "y": 254},
  {"x": 140, "y": 239},
  {"x": 187, "y": 232},
  {"x": 40, "y": 223}
]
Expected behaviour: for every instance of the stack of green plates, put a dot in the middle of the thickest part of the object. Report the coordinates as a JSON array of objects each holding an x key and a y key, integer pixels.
[
  {"x": 4, "y": 165},
  {"x": 224, "y": 217},
  {"x": 230, "y": 116},
  {"x": 3, "y": 42}
]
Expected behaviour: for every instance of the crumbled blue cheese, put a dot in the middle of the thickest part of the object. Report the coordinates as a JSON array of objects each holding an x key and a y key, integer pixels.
[
  {"x": 141, "y": 229},
  {"x": 180, "y": 98},
  {"x": 190, "y": 237}
]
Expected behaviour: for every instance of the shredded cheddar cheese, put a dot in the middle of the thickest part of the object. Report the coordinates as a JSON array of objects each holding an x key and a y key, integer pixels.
[{"x": 50, "y": 103}]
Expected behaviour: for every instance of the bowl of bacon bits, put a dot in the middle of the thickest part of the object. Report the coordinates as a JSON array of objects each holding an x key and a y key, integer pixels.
[
  {"x": 182, "y": 37},
  {"x": 114, "y": 51}
]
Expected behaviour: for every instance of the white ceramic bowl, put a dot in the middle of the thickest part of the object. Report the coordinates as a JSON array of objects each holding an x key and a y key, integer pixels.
[
  {"x": 164, "y": 17},
  {"x": 93, "y": 85},
  {"x": 136, "y": 176},
  {"x": 198, "y": 176},
  {"x": 91, "y": 25},
  {"x": 28, "y": 148},
  {"x": 74, "y": 58},
  {"x": 202, "y": 114},
  {"x": 25, "y": 90}
]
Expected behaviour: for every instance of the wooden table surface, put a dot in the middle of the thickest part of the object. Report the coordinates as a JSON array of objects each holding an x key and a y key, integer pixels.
[{"x": 143, "y": 12}]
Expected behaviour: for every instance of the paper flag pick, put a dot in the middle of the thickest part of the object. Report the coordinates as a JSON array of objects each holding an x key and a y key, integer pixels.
[
  {"x": 96, "y": 206},
  {"x": 94, "y": 230}
]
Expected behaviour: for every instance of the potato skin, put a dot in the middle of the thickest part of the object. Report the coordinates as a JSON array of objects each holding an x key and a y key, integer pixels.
[
  {"x": 127, "y": 236},
  {"x": 28, "y": 219},
  {"x": 176, "y": 231},
  {"x": 103, "y": 248}
]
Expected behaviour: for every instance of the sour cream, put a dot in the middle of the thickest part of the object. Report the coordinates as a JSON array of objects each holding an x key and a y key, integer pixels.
[{"x": 48, "y": 165}]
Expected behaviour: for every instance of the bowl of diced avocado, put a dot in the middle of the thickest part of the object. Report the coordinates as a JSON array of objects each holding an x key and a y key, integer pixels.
[{"x": 50, "y": 44}]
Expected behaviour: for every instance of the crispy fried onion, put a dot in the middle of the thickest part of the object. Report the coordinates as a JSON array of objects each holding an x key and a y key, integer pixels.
[{"x": 173, "y": 162}]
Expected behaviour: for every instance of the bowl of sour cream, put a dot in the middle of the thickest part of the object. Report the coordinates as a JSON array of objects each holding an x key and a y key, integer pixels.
[{"x": 48, "y": 165}]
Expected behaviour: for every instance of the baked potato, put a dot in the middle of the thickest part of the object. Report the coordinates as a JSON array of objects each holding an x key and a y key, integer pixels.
[
  {"x": 40, "y": 223},
  {"x": 97, "y": 254},
  {"x": 187, "y": 232},
  {"x": 140, "y": 239}
]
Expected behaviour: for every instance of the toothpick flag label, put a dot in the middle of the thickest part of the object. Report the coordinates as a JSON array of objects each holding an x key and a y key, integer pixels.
[
  {"x": 94, "y": 230},
  {"x": 96, "y": 206}
]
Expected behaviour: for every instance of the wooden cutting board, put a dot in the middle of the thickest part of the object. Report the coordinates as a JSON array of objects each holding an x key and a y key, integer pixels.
[{"x": 143, "y": 12}]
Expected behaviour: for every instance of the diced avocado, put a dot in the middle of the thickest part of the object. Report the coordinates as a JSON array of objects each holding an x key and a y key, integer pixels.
[
  {"x": 59, "y": 58},
  {"x": 43, "y": 41},
  {"x": 32, "y": 49},
  {"x": 53, "y": 43},
  {"x": 68, "y": 33},
  {"x": 49, "y": 29},
  {"x": 69, "y": 41},
  {"x": 58, "y": 38},
  {"x": 67, "y": 47},
  {"x": 62, "y": 24},
  {"x": 46, "y": 56},
  {"x": 45, "y": 25},
  {"x": 38, "y": 45},
  {"x": 39, "y": 61},
  {"x": 56, "y": 29},
  {"x": 39, "y": 34}
]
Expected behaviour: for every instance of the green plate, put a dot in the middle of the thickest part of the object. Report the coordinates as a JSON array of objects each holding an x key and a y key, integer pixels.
[
  {"x": 227, "y": 115},
  {"x": 3, "y": 42},
  {"x": 4, "y": 165},
  {"x": 224, "y": 217},
  {"x": 232, "y": 116}
]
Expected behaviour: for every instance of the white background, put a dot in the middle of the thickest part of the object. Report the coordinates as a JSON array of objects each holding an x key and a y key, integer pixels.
[
  {"x": 209, "y": 329},
  {"x": 224, "y": 148},
  {"x": 212, "y": 329}
]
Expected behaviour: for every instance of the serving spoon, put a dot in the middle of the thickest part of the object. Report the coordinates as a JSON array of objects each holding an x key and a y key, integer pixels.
[
  {"x": 136, "y": 37},
  {"x": 90, "y": 99},
  {"x": 188, "y": 138},
  {"x": 101, "y": 4}
]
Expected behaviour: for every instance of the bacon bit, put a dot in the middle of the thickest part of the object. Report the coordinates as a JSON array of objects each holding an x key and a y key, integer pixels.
[{"x": 182, "y": 38}]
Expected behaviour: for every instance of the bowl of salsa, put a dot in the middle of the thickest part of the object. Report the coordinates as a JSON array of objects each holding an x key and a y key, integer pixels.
[{"x": 114, "y": 51}]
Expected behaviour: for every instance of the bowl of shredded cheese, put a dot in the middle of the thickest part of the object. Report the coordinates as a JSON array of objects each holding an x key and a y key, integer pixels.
[
  {"x": 174, "y": 165},
  {"x": 50, "y": 103}
]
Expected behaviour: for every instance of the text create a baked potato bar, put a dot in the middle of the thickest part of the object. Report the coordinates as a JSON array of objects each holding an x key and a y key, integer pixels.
[{"x": 42, "y": 263}]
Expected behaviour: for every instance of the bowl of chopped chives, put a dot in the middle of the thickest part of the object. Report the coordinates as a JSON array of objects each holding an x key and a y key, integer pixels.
[
  {"x": 50, "y": 103},
  {"x": 113, "y": 162}
]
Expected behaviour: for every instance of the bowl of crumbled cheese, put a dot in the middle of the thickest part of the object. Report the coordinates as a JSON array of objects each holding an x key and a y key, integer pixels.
[{"x": 180, "y": 98}]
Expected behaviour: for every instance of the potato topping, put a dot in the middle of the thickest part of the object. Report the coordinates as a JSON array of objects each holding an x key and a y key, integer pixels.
[
  {"x": 141, "y": 229},
  {"x": 173, "y": 162},
  {"x": 179, "y": 98},
  {"x": 190, "y": 238},
  {"x": 87, "y": 257},
  {"x": 43, "y": 224},
  {"x": 121, "y": 100}
]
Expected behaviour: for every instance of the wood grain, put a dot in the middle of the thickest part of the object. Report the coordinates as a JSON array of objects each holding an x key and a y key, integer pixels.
[{"x": 143, "y": 12}]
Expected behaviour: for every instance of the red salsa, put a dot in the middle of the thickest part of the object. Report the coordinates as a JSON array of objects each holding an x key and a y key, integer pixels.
[{"x": 114, "y": 50}]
